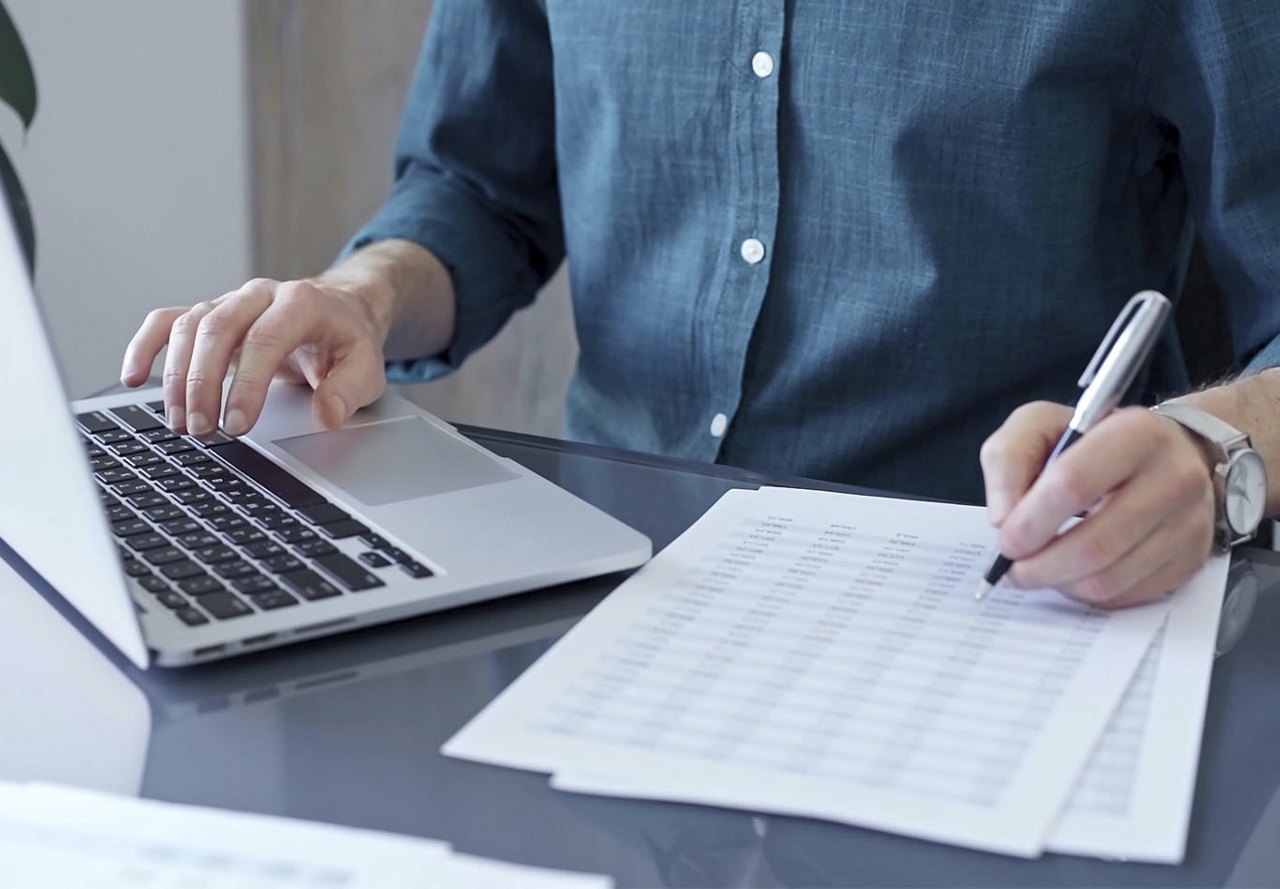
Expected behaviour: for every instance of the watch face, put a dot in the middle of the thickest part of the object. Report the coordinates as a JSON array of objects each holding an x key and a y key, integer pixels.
[{"x": 1245, "y": 493}]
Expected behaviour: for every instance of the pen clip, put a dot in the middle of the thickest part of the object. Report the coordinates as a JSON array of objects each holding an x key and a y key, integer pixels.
[{"x": 1136, "y": 304}]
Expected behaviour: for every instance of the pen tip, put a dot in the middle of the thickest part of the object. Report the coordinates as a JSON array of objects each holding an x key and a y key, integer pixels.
[{"x": 981, "y": 592}]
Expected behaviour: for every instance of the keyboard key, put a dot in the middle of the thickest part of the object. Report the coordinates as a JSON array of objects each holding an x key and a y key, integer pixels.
[
  {"x": 134, "y": 568},
  {"x": 212, "y": 440},
  {"x": 245, "y": 536},
  {"x": 129, "y": 448},
  {"x": 181, "y": 570},
  {"x": 343, "y": 529},
  {"x": 254, "y": 584},
  {"x": 212, "y": 555},
  {"x": 224, "y": 606},
  {"x": 296, "y": 534},
  {"x": 202, "y": 585},
  {"x": 273, "y": 600},
  {"x": 322, "y": 513},
  {"x": 313, "y": 548},
  {"x": 152, "y": 584},
  {"x": 129, "y": 527},
  {"x": 97, "y": 464},
  {"x": 191, "y": 458},
  {"x": 211, "y": 509},
  {"x": 309, "y": 585},
  {"x": 164, "y": 512},
  {"x": 416, "y": 570},
  {"x": 144, "y": 542},
  {"x": 397, "y": 555},
  {"x": 147, "y": 501},
  {"x": 263, "y": 549},
  {"x": 227, "y": 523},
  {"x": 234, "y": 569},
  {"x": 279, "y": 522},
  {"x": 209, "y": 471},
  {"x": 137, "y": 418},
  {"x": 179, "y": 526},
  {"x": 156, "y": 436},
  {"x": 96, "y": 422},
  {"x": 348, "y": 572},
  {"x": 193, "y": 496},
  {"x": 191, "y": 617},
  {"x": 258, "y": 507},
  {"x": 175, "y": 484},
  {"x": 119, "y": 513},
  {"x": 141, "y": 460},
  {"x": 170, "y": 599},
  {"x": 375, "y": 560},
  {"x": 114, "y": 475},
  {"x": 131, "y": 489},
  {"x": 161, "y": 470},
  {"x": 269, "y": 474},
  {"x": 177, "y": 446},
  {"x": 114, "y": 436},
  {"x": 374, "y": 541},
  {"x": 164, "y": 555},
  {"x": 197, "y": 539},
  {"x": 156, "y": 407},
  {"x": 280, "y": 563}
]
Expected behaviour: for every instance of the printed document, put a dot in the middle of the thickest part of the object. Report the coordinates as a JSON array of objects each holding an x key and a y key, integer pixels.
[{"x": 822, "y": 654}]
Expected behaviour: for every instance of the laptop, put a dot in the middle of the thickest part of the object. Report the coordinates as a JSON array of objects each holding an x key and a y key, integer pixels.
[{"x": 182, "y": 550}]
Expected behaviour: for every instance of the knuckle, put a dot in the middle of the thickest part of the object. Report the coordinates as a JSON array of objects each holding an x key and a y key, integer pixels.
[
  {"x": 994, "y": 451},
  {"x": 198, "y": 377},
  {"x": 1096, "y": 551},
  {"x": 212, "y": 325},
  {"x": 1189, "y": 479},
  {"x": 1066, "y": 485},
  {"x": 173, "y": 375},
  {"x": 1097, "y": 589},
  {"x": 263, "y": 337}
]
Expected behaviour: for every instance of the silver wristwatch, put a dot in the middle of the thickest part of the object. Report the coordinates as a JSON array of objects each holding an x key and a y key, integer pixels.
[{"x": 1240, "y": 477}]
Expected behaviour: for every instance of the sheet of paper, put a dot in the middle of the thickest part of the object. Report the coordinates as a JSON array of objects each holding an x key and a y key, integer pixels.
[
  {"x": 61, "y": 836},
  {"x": 821, "y": 654},
  {"x": 1133, "y": 800}
]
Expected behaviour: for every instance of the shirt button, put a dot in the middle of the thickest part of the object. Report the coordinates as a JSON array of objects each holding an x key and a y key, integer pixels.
[
  {"x": 719, "y": 423},
  {"x": 752, "y": 251},
  {"x": 762, "y": 64}
]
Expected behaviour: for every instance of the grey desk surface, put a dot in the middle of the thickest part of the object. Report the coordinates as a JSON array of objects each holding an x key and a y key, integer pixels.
[{"x": 348, "y": 730}]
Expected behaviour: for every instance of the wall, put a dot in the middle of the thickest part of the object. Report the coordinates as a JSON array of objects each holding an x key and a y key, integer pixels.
[
  {"x": 136, "y": 165},
  {"x": 329, "y": 79}
]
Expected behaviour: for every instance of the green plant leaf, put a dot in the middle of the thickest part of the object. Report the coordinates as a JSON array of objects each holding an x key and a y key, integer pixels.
[
  {"x": 16, "y": 199},
  {"x": 17, "y": 81}
]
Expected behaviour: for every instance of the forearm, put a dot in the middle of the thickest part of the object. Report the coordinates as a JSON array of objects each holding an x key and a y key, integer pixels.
[
  {"x": 1251, "y": 404},
  {"x": 406, "y": 293}
]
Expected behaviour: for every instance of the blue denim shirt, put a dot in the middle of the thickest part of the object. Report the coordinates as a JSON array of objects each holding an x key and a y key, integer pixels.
[{"x": 841, "y": 238}]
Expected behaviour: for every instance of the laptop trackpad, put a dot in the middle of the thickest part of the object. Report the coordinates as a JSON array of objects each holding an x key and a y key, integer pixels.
[{"x": 393, "y": 461}]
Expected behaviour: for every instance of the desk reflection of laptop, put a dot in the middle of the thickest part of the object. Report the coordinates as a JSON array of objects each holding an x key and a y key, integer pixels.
[{"x": 293, "y": 532}]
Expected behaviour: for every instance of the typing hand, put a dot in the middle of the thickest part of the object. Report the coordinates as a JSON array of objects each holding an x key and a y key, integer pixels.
[
  {"x": 1146, "y": 488},
  {"x": 298, "y": 330}
]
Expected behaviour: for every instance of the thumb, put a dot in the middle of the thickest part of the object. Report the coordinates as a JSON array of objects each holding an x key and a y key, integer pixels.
[
  {"x": 1015, "y": 454},
  {"x": 353, "y": 382}
]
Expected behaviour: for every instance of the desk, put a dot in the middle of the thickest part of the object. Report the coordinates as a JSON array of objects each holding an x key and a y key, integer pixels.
[{"x": 347, "y": 730}]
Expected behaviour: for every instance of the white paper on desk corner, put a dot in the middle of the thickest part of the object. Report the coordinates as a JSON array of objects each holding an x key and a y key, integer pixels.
[
  {"x": 821, "y": 654},
  {"x": 1133, "y": 800}
]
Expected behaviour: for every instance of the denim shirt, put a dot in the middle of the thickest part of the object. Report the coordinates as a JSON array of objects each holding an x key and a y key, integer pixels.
[{"x": 841, "y": 238}]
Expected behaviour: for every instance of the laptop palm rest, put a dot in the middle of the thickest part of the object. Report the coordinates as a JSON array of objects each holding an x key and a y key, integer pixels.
[{"x": 393, "y": 461}]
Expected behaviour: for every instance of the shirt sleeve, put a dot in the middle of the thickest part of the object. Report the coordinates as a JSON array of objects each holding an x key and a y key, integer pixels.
[
  {"x": 1216, "y": 81},
  {"x": 475, "y": 173}
]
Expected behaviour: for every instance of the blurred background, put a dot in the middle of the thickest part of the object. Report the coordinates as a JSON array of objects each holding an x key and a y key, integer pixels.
[{"x": 182, "y": 148}]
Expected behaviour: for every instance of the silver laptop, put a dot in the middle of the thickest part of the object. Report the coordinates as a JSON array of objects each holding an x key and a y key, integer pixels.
[{"x": 183, "y": 550}]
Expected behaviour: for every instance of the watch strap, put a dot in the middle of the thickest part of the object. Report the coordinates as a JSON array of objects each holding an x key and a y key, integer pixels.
[{"x": 1204, "y": 424}]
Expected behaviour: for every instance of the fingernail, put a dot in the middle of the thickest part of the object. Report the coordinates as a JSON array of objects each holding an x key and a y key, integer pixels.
[
  {"x": 175, "y": 417},
  {"x": 197, "y": 424},
  {"x": 235, "y": 422}
]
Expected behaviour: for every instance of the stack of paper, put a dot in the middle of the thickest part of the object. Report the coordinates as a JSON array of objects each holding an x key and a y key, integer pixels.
[
  {"x": 58, "y": 836},
  {"x": 822, "y": 654}
]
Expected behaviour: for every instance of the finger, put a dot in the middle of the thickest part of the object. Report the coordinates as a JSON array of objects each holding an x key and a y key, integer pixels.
[
  {"x": 176, "y": 362},
  {"x": 355, "y": 380},
  {"x": 1014, "y": 455},
  {"x": 140, "y": 355},
  {"x": 1163, "y": 560},
  {"x": 217, "y": 337},
  {"x": 1099, "y": 463},
  {"x": 1129, "y": 515},
  {"x": 291, "y": 320}
]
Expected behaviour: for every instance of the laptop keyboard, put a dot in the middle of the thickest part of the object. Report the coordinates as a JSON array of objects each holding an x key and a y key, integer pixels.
[{"x": 214, "y": 530}]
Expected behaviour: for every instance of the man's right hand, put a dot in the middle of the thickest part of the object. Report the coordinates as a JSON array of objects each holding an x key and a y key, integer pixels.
[
  {"x": 392, "y": 297},
  {"x": 302, "y": 331}
]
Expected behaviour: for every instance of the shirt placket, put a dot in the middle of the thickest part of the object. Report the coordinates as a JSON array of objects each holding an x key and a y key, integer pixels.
[{"x": 754, "y": 192}]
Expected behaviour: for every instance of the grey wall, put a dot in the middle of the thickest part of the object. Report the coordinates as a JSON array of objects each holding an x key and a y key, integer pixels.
[
  {"x": 136, "y": 166},
  {"x": 328, "y": 81}
]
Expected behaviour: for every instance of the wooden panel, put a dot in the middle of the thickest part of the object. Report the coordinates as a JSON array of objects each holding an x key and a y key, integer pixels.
[{"x": 328, "y": 81}]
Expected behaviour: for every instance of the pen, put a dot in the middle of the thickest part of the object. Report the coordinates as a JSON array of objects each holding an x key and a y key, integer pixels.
[{"x": 1123, "y": 352}]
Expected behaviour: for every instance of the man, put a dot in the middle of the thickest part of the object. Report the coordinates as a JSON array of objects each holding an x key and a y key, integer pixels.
[{"x": 831, "y": 238}]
